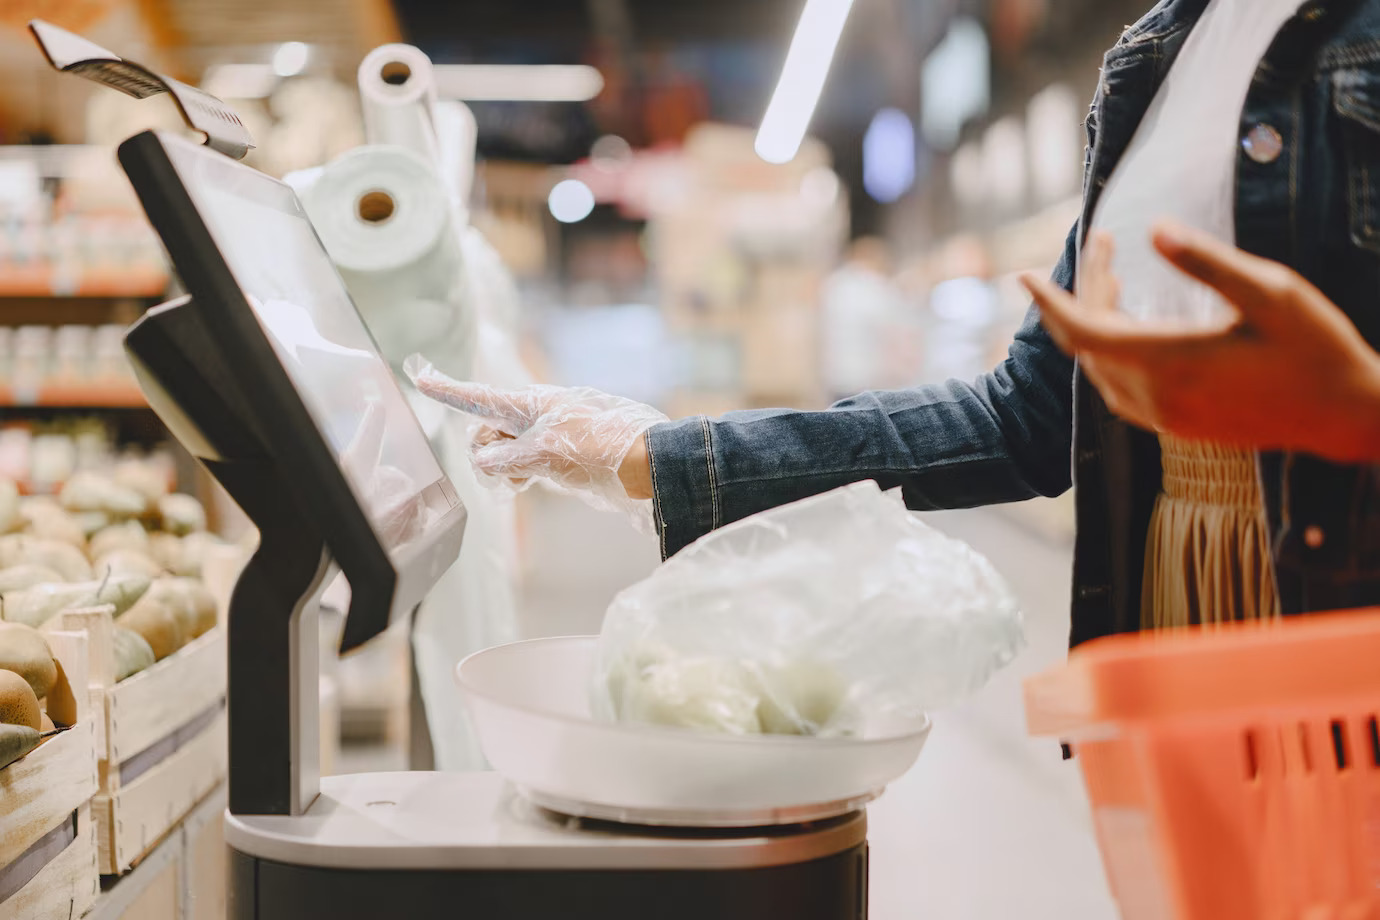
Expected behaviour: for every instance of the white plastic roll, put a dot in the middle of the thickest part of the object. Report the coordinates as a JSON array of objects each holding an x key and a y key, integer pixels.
[
  {"x": 382, "y": 209},
  {"x": 386, "y": 221},
  {"x": 457, "y": 135},
  {"x": 398, "y": 94}
]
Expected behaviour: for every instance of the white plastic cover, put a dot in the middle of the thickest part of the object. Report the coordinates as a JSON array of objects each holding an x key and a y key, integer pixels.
[{"x": 808, "y": 620}]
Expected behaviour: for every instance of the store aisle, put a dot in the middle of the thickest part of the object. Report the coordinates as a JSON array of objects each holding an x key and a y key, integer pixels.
[{"x": 989, "y": 825}]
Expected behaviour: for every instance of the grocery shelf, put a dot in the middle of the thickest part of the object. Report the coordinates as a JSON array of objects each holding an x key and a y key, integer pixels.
[
  {"x": 116, "y": 395},
  {"x": 41, "y": 283},
  {"x": 52, "y": 310}
]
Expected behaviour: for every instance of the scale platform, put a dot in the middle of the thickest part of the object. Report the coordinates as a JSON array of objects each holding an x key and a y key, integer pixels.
[{"x": 678, "y": 819}]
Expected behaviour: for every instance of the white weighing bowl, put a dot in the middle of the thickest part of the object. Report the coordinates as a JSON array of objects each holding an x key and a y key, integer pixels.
[{"x": 529, "y": 704}]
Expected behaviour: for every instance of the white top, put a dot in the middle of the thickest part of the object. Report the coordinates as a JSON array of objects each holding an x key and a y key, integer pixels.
[
  {"x": 474, "y": 821},
  {"x": 1182, "y": 161}
]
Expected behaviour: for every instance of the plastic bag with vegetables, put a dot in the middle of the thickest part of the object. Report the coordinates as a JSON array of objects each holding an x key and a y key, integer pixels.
[{"x": 807, "y": 619}]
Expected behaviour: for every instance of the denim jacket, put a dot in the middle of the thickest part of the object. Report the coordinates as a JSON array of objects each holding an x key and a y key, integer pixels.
[{"x": 1034, "y": 426}]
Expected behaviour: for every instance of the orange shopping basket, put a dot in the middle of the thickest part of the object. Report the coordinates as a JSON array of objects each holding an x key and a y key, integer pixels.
[{"x": 1234, "y": 772}]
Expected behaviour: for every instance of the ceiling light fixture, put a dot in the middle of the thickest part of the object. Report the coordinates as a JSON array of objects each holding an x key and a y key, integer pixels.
[
  {"x": 291, "y": 58},
  {"x": 518, "y": 83},
  {"x": 802, "y": 79},
  {"x": 571, "y": 201},
  {"x": 889, "y": 156}
]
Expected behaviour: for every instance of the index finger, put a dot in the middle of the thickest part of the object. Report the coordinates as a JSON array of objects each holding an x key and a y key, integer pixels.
[{"x": 509, "y": 410}]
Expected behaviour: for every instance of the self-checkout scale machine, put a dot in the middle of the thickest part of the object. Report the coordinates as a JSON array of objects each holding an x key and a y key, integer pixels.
[{"x": 267, "y": 374}]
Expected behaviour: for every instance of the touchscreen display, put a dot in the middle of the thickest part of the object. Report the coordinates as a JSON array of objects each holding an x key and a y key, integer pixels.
[{"x": 303, "y": 307}]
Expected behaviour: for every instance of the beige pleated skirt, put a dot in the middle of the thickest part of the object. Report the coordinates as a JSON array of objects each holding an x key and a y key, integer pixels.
[{"x": 1207, "y": 559}]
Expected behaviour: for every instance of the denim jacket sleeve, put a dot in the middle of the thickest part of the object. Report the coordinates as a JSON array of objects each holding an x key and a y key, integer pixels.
[{"x": 1005, "y": 437}]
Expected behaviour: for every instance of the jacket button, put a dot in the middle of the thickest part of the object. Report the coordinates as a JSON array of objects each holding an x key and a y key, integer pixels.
[
  {"x": 1263, "y": 144},
  {"x": 1314, "y": 538}
]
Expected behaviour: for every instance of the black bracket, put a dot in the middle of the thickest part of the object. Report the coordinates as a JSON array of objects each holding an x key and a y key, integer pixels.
[{"x": 70, "y": 53}]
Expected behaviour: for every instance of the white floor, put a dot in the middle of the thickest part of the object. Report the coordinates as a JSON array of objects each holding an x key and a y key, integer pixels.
[{"x": 990, "y": 824}]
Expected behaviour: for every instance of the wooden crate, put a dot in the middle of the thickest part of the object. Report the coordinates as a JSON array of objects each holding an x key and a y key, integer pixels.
[
  {"x": 163, "y": 744},
  {"x": 45, "y": 800},
  {"x": 67, "y": 885},
  {"x": 182, "y": 878},
  {"x": 140, "y": 713},
  {"x": 133, "y": 820},
  {"x": 205, "y": 860},
  {"x": 152, "y": 891}
]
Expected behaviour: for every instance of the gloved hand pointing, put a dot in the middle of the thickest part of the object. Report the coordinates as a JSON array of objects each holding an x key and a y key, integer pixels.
[{"x": 581, "y": 440}]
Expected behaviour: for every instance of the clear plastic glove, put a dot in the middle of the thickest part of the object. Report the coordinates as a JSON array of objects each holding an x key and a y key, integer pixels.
[{"x": 574, "y": 438}]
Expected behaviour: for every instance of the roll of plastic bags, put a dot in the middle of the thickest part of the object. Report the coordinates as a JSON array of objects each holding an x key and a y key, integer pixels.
[
  {"x": 457, "y": 137},
  {"x": 381, "y": 210},
  {"x": 397, "y": 90},
  {"x": 816, "y": 618},
  {"x": 385, "y": 219}
]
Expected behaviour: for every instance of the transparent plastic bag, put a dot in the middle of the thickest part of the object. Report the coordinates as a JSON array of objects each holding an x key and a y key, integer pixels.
[{"x": 809, "y": 619}]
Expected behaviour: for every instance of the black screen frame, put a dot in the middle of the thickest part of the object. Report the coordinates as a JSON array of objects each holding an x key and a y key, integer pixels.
[{"x": 383, "y": 584}]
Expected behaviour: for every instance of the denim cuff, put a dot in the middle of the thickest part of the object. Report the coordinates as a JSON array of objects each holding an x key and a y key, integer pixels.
[{"x": 685, "y": 493}]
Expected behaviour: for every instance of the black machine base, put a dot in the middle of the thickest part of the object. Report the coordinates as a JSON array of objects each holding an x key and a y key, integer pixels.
[{"x": 832, "y": 888}]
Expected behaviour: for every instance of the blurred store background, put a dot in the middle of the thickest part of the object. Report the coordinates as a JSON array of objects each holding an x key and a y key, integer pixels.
[
  {"x": 658, "y": 254},
  {"x": 624, "y": 175}
]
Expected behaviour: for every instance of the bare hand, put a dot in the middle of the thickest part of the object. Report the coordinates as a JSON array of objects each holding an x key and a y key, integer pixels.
[{"x": 1290, "y": 372}]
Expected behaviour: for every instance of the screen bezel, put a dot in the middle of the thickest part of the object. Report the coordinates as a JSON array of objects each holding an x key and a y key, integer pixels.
[{"x": 382, "y": 584}]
